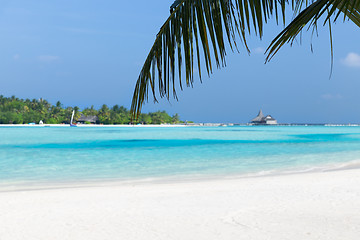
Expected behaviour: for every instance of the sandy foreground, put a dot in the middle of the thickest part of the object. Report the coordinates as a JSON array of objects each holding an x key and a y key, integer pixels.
[{"x": 302, "y": 206}]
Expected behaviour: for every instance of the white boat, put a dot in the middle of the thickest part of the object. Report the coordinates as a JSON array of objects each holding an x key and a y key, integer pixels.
[{"x": 72, "y": 118}]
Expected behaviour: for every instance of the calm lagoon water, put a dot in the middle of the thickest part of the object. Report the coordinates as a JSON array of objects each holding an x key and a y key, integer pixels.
[{"x": 82, "y": 154}]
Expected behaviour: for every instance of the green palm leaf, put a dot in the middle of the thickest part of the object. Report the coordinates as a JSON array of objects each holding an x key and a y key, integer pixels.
[
  {"x": 197, "y": 32},
  {"x": 311, "y": 15}
]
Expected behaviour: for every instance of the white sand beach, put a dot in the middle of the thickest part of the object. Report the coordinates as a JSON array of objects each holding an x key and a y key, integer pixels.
[{"x": 301, "y": 206}]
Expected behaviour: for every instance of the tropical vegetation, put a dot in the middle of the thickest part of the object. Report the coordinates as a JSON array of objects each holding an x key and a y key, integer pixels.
[
  {"x": 19, "y": 111},
  {"x": 198, "y": 31}
]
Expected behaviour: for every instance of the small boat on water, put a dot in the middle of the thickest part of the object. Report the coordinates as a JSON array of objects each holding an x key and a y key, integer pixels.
[{"x": 72, "y": 118}]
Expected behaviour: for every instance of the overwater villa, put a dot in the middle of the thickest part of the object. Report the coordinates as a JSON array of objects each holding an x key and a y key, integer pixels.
[{"x": 262, "y": 120}]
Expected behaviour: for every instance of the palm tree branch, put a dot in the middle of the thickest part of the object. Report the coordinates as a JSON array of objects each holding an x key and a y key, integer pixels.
[
  {"x": 205, "y": 21},
  {"x": 210, "y": 23},
  {"x": 310, "y": 16}
]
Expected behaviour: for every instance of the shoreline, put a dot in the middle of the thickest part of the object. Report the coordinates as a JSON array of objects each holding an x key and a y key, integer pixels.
[
  {"x": 15, "y": 186},
  {"x": 321, "y": 205}
]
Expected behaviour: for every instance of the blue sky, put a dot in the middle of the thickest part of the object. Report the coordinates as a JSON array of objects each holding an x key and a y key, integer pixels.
[{"x": 90, "y": 52}]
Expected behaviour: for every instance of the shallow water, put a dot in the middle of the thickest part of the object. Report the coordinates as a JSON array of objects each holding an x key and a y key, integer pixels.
[{"x": 64, "y": 154}]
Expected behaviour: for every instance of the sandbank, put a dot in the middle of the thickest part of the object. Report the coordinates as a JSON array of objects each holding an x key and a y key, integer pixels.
[{"x": 322, "y": 205}]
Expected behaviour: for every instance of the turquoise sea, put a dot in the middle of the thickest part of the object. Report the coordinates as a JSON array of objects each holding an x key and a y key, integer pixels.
[{"x": 36, "y": 155}]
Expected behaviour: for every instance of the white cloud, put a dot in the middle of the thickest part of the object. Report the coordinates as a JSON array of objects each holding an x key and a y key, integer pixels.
[
  {"x": 352, "y": 60},
  {"x": 16, "y": 56},
  {"x": 329, "y": 96},
  {"x": 48, "y": 58},
  {"x": 259, "y": 50}
]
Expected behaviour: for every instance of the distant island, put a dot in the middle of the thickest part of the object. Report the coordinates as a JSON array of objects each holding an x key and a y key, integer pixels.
[{"x": 23, "y": 111}]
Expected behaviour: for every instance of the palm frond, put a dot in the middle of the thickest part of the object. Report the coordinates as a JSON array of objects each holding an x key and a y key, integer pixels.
[
  {"x": 197, "y": 32},
  {"x": 310, "y": 16},
  {"x": 198, "y": 29}
]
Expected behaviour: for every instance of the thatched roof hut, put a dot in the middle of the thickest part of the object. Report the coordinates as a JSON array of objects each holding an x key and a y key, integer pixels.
[
  {"x": 262, "y": 120},
  {"x": 90, "y": 119},
  {"x": 259, "y": 118}
]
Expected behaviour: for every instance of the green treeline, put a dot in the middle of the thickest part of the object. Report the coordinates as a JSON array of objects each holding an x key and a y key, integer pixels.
[{"x": 19, "y": 111}]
